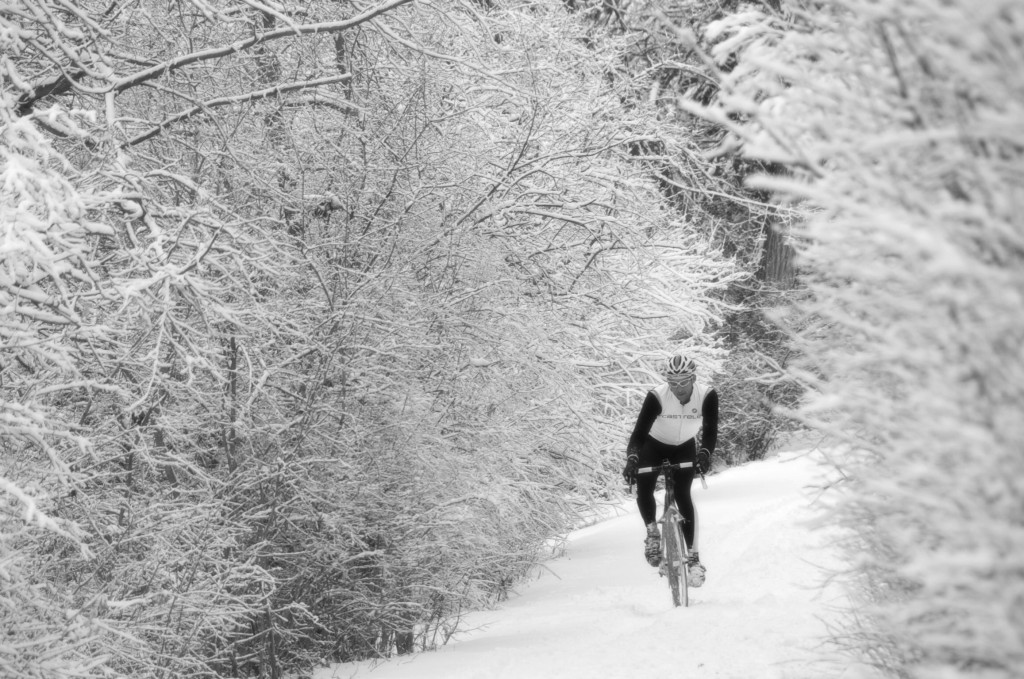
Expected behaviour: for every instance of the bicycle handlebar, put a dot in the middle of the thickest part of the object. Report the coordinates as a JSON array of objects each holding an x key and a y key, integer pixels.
[{"x": 660, "y": 467}]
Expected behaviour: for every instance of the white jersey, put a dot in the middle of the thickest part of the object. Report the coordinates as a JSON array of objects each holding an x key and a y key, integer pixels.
[{"x": 678, "y": 422}]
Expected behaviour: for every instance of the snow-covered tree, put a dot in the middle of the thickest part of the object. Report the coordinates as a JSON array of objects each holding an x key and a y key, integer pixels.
[
  {"x": 49, "y": 285},
  {"x": 898, "y": 123},
  {"x": 323, "y": 319}
]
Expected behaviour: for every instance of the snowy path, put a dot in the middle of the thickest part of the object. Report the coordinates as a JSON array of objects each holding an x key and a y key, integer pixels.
[{"x": 600, "y": 612}]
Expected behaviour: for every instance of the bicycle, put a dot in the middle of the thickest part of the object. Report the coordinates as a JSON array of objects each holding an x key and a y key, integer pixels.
[{"x": 675, "y": 555}]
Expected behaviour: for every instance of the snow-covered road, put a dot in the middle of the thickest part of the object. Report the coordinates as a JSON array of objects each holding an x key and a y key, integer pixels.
[{"x": 600, "y": 612}]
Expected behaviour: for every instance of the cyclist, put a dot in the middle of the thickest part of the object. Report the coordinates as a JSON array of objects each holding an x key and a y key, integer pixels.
[{"x": 670, "y": 418}]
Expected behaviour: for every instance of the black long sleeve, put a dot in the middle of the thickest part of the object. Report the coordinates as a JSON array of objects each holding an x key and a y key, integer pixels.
[
  {"x": 709, "y": 413},
  {"x": 649, "y": 412}
]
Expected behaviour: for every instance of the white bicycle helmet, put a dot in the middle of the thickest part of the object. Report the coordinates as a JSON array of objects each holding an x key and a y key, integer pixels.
[{"x": 680, "y": 366}]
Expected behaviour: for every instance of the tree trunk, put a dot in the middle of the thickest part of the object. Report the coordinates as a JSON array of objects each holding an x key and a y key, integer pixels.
[{"x": 777, "y": 260}]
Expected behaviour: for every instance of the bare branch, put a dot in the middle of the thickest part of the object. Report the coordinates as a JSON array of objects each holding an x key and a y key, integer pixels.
[
  {"x": 227, "y": 101},
  {"x": 242, "y": 45}
]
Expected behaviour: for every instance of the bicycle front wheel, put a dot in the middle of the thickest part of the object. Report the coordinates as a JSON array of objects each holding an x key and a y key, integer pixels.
[{"x": 674, "y": 554}]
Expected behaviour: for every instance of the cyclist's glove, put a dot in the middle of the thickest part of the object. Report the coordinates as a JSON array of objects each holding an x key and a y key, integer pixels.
[
  {"x": 629, "y": 471},
  {"x": 703, "y": 461}
]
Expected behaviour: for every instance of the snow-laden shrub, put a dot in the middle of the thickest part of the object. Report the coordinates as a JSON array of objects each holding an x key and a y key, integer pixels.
[
  {"x": 44, "y": 272},
  {"x": 900, "y": 124},
  {"x": 354, "y": 340}
]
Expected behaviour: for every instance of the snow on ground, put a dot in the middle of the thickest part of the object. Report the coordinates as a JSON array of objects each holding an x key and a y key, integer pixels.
[{"x": 600, "y": 612}]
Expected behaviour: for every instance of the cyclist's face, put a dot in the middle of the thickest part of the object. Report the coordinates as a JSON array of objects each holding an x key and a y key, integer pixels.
[{"x": 681, "y": 386}]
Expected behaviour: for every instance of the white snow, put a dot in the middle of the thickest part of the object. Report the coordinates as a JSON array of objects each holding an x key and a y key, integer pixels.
[{"x": 600, "y": 612}]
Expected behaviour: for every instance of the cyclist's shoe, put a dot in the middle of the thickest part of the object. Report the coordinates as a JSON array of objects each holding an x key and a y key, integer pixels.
[
  {"x": 652, "y": 545},
  {"x": 696, "y": 570}
]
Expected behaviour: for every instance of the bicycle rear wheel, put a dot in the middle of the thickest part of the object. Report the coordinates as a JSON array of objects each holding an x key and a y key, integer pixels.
[{"x": 674, "y": 553}]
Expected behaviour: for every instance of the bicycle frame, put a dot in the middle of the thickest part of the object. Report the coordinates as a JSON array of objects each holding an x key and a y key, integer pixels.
[{"x": 675, "y": 555}]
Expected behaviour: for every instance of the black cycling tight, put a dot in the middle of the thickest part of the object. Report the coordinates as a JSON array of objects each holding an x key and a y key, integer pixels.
[{"x": 652, "y": 454}]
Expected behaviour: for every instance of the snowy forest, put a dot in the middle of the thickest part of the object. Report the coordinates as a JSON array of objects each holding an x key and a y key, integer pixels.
[{"x": 318, "y": 320}]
